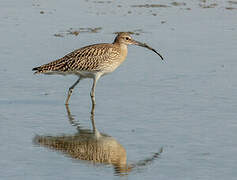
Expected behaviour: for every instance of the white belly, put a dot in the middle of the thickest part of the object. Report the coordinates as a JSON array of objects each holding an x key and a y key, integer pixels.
[{"x": 83, "y": 74}]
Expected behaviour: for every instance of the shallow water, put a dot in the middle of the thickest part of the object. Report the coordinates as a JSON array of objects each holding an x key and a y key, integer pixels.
[{"x": 175, "y": 119}]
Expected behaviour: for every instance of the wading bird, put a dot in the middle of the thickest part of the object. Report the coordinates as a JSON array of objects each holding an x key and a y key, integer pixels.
[{"x": 92, "y": 61}]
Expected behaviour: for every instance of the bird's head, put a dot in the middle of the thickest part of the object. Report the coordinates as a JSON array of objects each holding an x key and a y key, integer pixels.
[{"x": 125, "y": 38}]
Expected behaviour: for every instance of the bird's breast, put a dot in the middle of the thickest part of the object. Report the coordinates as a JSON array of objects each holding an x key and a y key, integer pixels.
[{"x": 116, "y": 57}]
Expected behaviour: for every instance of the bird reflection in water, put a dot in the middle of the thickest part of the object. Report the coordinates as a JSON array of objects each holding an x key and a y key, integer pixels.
[{"x": 93, "y": 146}]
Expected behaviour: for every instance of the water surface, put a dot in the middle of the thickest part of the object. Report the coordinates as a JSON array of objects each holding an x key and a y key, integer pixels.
[{"x": 175, "y": 120}]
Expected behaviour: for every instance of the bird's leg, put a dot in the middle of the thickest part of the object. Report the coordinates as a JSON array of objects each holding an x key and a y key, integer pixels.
[
  {"x": 71, "y": 89},
  {"x": 93, "y": 117},
  {"x": 95, "y": 131},
  {"x": 93, "y": 93},
  {"x": 93, "y": 89}
]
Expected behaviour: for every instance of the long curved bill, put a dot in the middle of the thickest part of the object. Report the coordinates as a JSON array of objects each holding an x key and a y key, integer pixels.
[{"x": 146, "y": 46}]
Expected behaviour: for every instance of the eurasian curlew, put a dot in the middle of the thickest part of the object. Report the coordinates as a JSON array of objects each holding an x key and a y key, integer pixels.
[{"x": 92, "y": 61}]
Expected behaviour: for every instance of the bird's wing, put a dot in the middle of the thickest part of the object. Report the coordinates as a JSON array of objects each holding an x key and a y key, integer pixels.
[{"x": 88, "y": 58}]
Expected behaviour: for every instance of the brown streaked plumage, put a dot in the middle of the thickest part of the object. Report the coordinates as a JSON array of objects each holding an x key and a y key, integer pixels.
[{"x": 92, "y": 61}]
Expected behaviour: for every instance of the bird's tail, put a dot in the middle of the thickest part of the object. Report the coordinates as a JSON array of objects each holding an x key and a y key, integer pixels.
[
  {"x": 37, "y": 70},
  {"x": 50, "y": 67},
  {"x": 41, "y": 69}
]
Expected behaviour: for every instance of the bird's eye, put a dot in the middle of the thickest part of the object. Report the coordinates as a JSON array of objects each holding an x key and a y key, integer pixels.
[{"x": 127, "y": 38}]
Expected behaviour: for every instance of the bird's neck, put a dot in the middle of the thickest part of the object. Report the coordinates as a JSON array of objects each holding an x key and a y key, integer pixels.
[{"x": 123, "y": 49}]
